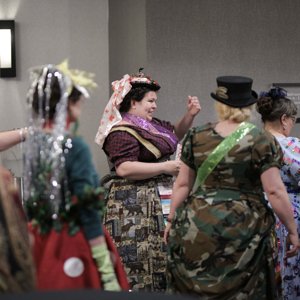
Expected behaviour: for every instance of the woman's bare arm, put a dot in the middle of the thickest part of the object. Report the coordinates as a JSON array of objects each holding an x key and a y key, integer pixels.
[{"x": 279, "y": 200}]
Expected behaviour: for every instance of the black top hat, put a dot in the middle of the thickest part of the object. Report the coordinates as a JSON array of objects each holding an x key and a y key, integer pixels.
[{"x": 235, "y": 91}]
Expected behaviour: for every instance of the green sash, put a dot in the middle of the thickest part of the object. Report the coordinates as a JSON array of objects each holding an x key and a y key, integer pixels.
[{"x": 219, "y": 152}]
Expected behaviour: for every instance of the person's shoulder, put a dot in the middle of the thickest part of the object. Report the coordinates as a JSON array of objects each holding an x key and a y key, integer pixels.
[
  {"x": 121, "y": 131},
  {"x": 200, "y": 132},
  {"x": 161, "y": 122},
  {"x": 157, "y": 120},
  {"x": 76, "y": 142},
  {"x": 264, "y": 142},
  {"x": 76, "y": 139},
  {"x": 263, "y": 137},
  {"x": 120, "y": 135},
  {"x": 290, "y": 142},
  {"x": 204, "y": 127},
  {"x": 259, "y": 133}
]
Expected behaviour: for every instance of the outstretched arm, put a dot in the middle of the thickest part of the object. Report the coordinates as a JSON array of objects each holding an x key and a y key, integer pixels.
[
  {"x": 193, "y": 108},
  {"x": 11, "y": 138},
  {"x": 137, "y": 170}
]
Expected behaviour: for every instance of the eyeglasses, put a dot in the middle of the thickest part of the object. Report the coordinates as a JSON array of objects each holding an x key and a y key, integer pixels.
[{"x": 293, "y": 119}]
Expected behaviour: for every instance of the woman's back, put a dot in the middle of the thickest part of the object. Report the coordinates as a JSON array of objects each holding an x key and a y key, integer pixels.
[
  {"x": 227, "y": 218},
  {"x": 239, "y": 171}
]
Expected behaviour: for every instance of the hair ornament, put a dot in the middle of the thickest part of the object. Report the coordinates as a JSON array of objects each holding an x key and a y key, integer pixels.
[
  {"x": 82, "y": 80},
  {"x": 221, "y": 92},
  {"x": 141, "y": 79},
  {"x": 44, "y": 151},
  {"x": 111, "y": 115},
  {"x": 275, "y": 93},
  {"x": 140, "y": 73}
]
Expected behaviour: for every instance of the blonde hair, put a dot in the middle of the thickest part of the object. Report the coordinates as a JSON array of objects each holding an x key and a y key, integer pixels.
[{"x": 236, "y": 114}]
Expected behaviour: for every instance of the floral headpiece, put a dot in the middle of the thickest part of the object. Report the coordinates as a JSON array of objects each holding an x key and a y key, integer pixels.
[{"x": 111, "y": 115}]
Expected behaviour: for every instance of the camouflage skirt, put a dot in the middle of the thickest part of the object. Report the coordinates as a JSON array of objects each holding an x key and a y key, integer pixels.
[
  {"x": 222, "y": 251},
  {"x": 135, "y": 221}
]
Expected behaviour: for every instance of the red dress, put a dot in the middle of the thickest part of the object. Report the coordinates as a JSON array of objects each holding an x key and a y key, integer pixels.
[{"x": 50, "y": 260}]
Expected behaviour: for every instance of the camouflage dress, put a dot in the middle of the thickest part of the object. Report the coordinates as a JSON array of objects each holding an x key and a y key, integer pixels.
[{"x": 220, "y": 244}]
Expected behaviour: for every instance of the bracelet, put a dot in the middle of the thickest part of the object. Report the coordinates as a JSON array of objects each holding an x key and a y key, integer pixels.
[{"x": 22, "y": 135}]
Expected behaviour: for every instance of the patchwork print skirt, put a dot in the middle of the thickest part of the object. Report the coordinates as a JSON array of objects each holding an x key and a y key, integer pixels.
[{"x": 135, "y": 220}]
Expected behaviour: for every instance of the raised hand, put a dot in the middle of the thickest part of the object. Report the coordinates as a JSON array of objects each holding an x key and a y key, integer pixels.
[{"x": 193, "y": 105}]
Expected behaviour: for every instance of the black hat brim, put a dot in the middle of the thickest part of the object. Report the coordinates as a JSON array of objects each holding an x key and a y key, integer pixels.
[{"x": 237, "y": 104}]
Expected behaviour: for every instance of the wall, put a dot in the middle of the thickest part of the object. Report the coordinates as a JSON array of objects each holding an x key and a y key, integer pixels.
[
  {"x": 183, "y": 44},
  {"x": 190, "y": 43},
  {"x": 127, "y": 37},
  {"x": 48, "y": 32}
]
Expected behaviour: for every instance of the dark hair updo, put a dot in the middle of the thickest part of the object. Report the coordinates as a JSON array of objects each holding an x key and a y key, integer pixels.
[
  {"x": 272, "y": 105},
  {"x": 140, "y": 86},
  {"x": 137, "y": 94}
]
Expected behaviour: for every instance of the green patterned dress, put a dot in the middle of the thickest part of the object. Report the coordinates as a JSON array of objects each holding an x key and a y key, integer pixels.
[{"x": 220, "y": 244}]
